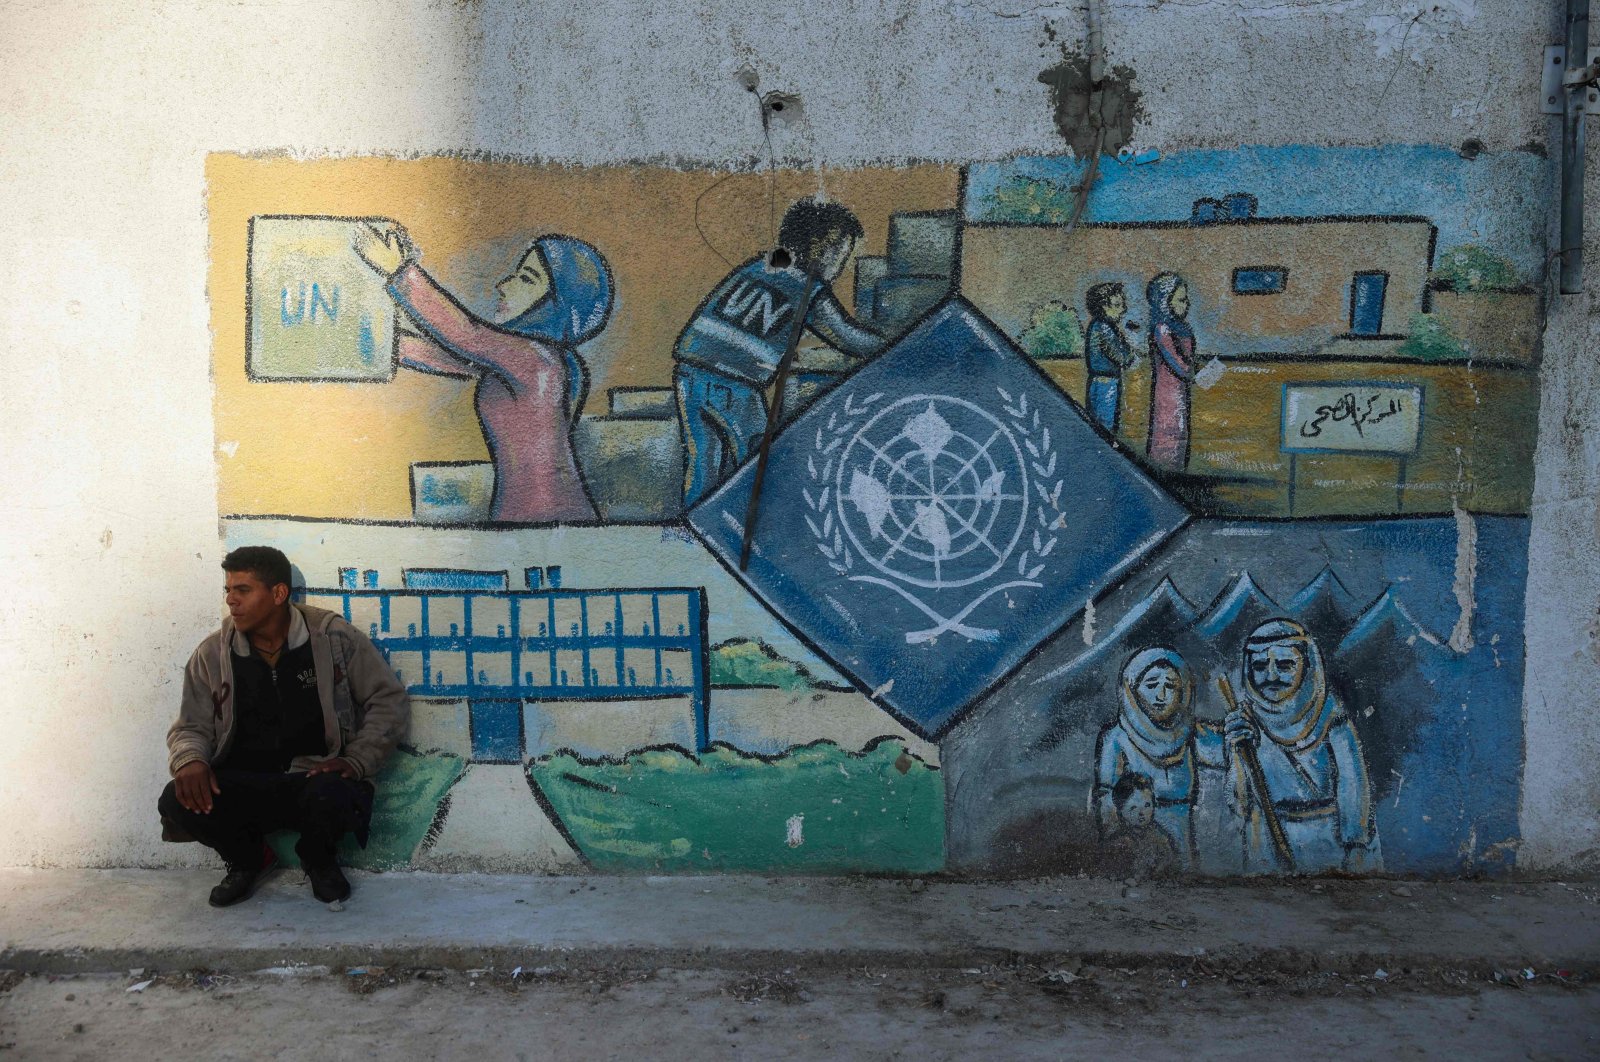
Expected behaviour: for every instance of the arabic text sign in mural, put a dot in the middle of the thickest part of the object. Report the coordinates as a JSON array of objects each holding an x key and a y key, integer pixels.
[
  {"x": 1345, "y": 417},
  {"x": 316, "y": 312}
]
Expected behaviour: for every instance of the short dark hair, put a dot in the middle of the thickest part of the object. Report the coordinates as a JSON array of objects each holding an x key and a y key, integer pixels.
[
  {"x": 264, "y": 562},
  {"x": 1130, "y": 784},
  {"x": 1100, "y": 295},
  {"x": 811, "y": 225}
]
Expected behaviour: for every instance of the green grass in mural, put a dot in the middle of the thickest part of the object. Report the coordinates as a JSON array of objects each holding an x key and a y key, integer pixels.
[
  {"x": 1055, "y": 333},
  {"x": 410, "y": 787},
  {"x": 1431, "y": 340},
  {"x": 746, "y": 662},
  {"x": 1030, "y": 201},
  {"x": 1473, "y": 268},
  {"x": 881, "y": 809}
]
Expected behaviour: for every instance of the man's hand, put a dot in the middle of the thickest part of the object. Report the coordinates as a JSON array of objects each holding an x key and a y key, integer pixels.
[
  {"x": 1239, "y": 729},
  {"x": 195, "y": 785},
  {"x": 336, "y": 764}
]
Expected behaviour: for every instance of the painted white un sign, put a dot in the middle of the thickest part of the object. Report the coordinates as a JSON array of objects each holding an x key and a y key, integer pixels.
[{"x": 1376, "y": 418}]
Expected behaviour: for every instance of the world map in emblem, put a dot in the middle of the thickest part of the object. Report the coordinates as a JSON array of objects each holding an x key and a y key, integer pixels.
[
  {"x": 932, "y": 491},
  {"x": 930, "y": 520}
]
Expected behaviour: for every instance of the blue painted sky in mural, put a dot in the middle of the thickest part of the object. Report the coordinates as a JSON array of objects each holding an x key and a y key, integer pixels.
[
  {"x": 938, "y": 514},
  {"x": 1495, "y": 200}
]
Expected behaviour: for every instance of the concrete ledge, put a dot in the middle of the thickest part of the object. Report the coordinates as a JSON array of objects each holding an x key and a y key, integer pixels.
[{"x": 66, "y": 921}]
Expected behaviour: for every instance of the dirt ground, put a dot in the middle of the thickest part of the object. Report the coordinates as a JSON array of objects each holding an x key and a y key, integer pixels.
[{"x": 1018, "y": 1011}]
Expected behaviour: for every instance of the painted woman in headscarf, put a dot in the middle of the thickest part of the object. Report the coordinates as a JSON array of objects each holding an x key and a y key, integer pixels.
[
  {"x": 1172, "y": 365},
  {"x": 531, "y": 381},
  {"x": 1155, "y": 735},
  {"x": 1311, "y": 763}
]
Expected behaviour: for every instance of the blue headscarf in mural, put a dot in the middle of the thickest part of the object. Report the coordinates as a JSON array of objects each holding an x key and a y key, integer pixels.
[
  {"x": 575, "y": 309},
  {"x": 1162, "y": 743},
  {"x": 1158, "y": 293},
  {"x": 579, "y": 302}
]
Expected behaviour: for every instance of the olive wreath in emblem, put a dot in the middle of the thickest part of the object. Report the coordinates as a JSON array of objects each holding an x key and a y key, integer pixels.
[{"x": 934, "y": 493}]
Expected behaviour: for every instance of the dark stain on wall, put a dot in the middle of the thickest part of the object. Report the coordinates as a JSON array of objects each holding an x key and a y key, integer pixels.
[{"x": 1077, "y": 100}]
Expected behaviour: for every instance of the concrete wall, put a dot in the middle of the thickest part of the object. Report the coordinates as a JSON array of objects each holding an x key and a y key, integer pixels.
[{"x": 129, "y": 430}]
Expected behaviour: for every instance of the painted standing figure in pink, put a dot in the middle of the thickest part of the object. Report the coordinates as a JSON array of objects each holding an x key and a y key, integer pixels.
[
  {"x": 1172, "y": 366},
  {"x": 531, "y": 381}
]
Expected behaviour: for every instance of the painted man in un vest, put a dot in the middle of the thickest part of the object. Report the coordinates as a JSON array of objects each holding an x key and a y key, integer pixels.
[
  {"x": 1311, "y": 761},
  {"x": 728, "y": 353}
]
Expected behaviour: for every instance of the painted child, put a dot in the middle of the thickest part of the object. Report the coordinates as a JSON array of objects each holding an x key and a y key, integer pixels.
[
  {"x": 1137, "y": 847},
  {"x": 1107, "y": 354}
]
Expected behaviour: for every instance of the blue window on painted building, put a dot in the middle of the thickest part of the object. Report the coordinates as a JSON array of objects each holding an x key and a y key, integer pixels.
[
  {"x": 1368, "y": 292},
  {"x": 1260, "y": 280}
]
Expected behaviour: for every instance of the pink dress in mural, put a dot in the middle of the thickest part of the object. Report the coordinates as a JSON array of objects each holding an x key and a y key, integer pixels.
[
  {"x": 1172, "y": 369},
  {"x": 521, "y": 401}
]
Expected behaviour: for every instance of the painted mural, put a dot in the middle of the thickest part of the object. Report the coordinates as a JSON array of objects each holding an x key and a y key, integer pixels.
[{"x": 906, "y": 519}]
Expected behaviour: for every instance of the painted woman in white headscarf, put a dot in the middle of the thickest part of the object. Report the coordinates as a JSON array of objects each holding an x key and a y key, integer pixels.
[
  {"x": 1311, "y": 761},
  {"x": 1155, "y": 735}
]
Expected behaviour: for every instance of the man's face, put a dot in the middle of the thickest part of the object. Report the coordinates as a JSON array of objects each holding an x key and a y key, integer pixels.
[
  {"x": 835, "y": 256},
  {"x": 1277, "y": 671},
  {"x": 1116, "y": 306},
  {"x": 252, "y": 602}
]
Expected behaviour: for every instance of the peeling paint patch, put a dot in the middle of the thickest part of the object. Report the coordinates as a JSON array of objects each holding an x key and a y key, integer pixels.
[
  {"x": 794, "y": 831},
  {"x": 1419, "y": 26},
  {"x": 1466, "y": 577}
]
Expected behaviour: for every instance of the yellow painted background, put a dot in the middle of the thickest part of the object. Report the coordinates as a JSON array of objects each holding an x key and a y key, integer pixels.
[{"x": 345, "y": 449}]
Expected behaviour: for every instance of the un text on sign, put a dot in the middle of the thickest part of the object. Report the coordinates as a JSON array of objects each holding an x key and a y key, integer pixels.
[
  {"x": 316, "y": 311},
  {"x": 1377, "y": 418}
]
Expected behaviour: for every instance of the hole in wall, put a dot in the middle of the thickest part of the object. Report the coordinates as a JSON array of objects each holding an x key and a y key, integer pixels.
[{"x": 782, "y": 108}]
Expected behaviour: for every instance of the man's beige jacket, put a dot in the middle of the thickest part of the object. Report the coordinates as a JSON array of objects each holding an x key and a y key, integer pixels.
[{"x": 364, "y": 707}]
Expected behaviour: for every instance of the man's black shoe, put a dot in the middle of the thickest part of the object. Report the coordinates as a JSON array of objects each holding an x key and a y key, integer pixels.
[
  {"x": 237, "y": 885},
  {"x": 328, "y": 884}
]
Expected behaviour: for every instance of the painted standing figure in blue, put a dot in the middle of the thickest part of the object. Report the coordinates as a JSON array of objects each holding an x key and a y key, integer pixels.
[
  {"x": 1106, "y": 354},
  {"x": 1155, "y": 735},
  {"x": 1316, "y": 778},
  {"x": 728, "y": 353}
]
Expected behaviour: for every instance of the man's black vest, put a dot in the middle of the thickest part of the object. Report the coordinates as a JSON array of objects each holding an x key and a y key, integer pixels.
[{"x": 278, "y": 714}]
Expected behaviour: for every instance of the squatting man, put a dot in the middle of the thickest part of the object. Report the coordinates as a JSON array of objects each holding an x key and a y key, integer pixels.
[{"x": 287, "y": 713}]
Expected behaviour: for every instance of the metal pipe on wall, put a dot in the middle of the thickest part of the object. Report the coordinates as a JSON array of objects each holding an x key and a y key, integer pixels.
[{"x": 1572, "y": 150}]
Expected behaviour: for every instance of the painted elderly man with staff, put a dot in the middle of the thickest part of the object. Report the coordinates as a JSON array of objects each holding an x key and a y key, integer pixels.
[{"x": 1299, "y": 783}]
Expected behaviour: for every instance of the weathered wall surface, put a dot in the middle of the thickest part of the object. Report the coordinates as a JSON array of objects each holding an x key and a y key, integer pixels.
[{"x": 943, "y": 653}]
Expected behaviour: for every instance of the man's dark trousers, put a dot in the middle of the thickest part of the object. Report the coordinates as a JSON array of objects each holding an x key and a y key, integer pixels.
[{"x": 321, "y": 807}]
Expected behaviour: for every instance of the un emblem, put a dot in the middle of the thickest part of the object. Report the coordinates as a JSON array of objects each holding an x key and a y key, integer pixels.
[{"x": 931, "y": 493}]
